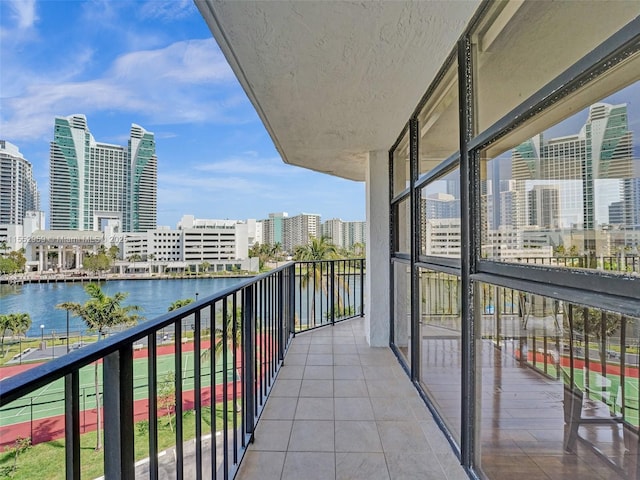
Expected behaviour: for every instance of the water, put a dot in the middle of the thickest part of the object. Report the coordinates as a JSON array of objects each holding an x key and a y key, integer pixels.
[{"x": 153, "y": 296}]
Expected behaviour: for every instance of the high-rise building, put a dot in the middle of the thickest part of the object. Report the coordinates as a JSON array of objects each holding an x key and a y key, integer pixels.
[
  {"x": 589, "y": 164},
  {"x": 18, "y": 189},
  {"x": 544, "y": 205},
  {"x": 299, "y": 229},
  {"x": 92, "y": 181}
]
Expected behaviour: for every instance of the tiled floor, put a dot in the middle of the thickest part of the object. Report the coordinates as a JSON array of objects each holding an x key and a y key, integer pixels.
[{"x": 343, "y": 410}]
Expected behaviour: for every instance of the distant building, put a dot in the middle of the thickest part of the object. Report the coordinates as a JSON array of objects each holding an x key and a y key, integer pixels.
[
  {"x": 18, "y": 189},
  {"x": 223, "y": 244},
  {"x": 602, "y": 150},
  {"x": 344, "y": 234},
  {"x": 91, "y": 181}
]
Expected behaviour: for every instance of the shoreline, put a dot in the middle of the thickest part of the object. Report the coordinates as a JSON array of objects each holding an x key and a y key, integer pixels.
[{"x": 70, "y": 278}]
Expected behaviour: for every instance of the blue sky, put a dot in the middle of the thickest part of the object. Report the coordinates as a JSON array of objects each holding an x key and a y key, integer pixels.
[{"x": 156, "y": 64}]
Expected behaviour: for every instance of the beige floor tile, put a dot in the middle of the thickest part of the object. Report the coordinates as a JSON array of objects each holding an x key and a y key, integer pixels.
[
  {"x": 320, "y": 359},
  {"x": 280, "y": 408},
  {"x": 262, "y": 466},
  {"x": 348, "y": 372},
  {"x": 361, "y": 466},
  {"x": 286, "y": 388},
  {"x": 357, "y": 436},
  {"x": 290, "y": 372},
  {"x": 314, "y": 408},
  {"x": 356, "y": 408},
  {"x": 317, "y": 388},
  {"x": 318, "y": 372},
  {"x": 312, "y": 436},
  {"x": 323, "y": 348},
  {"x": 309, "y": 466},
  {"x": 350, "y": 388},
  {"x": 403, "y": 436},
  {"x": 412, "y": 466},
  {"x": 272, "y": 435}
]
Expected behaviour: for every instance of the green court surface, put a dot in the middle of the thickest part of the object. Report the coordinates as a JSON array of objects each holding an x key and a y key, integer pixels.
[{"x": 48, "y": 401}]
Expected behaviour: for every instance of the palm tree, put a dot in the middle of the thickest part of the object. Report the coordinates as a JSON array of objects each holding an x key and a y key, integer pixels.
[
  {"x": 19, "y": 323},
  {"x": 5, "y": 324},
  {"x": 316, "y": 250},
  {"x": 100, "y": 313},
  {"x": 179, "y": 304},
  {"x": 230, "y": 342}
]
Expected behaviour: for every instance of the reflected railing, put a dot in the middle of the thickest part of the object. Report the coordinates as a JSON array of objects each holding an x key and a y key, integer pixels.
[{"x": 193, "y": 381}]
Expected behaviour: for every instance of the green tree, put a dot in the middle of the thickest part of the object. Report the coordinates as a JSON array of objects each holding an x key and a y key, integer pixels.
[
  {"x": 167, "y": 395},
  {"x": 19, "y": 323},
  {"x": 204, "y": 266},
  {"x": 5, "y": 324},
  {"x": 100, "y": 313},
  {"x": 229, "y": 342},
  {"x": 97, "y": 262},
  {"x": 133, "y": 259},
  {"x": 317, "y": 249},
  {"x": 113, "y": 252},
  {"x": 179, "y": 304},
  {"x": 14, "y": 262}
]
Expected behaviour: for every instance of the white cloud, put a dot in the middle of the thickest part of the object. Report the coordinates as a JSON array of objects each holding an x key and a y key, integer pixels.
[
  {"x": 166, "y": 10},
  {"x": 250, "y": 164},
  {"x": 185, "y": 82},
  {"x": 24, "y": 12}
]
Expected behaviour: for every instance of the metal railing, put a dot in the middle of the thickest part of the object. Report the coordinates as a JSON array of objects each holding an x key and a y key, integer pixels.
[{"x": 240, "y": 337}]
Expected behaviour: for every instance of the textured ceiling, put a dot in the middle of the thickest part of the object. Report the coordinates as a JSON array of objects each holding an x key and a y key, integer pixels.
[{"x": 333, "y": 80}]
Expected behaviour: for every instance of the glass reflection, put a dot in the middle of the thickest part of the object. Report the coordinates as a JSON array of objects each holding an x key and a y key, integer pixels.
[
  {"x": 440, "y": 344},
  {"x": 559, "y": 388},
  {"x": 570, "y": 196},
  {"x": 440, "y": 217}
]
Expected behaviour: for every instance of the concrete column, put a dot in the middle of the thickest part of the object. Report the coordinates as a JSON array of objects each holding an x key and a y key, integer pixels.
[
  {"x": 377, "y": 285},
  {"x": 41, "y": 258},
  {"x": 60, "y": 256},
  {"x": 78, "y": 257}
]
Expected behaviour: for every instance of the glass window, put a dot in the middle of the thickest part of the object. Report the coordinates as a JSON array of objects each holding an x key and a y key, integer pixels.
[
  {"x": 441, "y": 344},
  {"x": 569, "y": 196},
  {"x": 402, "y": 226},
  {"x": 522, "y": 40},
  {"x": 438, "y": 122},
  {"x": 440, "y": 217},
  {"x": 402, "y": 309},
  {"x": 401, "y": 166},
  {"x": 559, "y": 388}
]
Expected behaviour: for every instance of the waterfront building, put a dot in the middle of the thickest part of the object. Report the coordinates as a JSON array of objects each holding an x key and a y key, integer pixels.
[
  {"x": 18, "y": 189},
  {"x": 93, "y": 181},
  {"x": 223, "y": 244}
]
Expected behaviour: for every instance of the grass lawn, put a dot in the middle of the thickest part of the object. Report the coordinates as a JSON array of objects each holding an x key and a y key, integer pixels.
[{"x": 46, "y": 460}]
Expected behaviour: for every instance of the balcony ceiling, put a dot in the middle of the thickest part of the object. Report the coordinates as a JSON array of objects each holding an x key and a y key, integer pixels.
[{"x": 332, "y": 80}]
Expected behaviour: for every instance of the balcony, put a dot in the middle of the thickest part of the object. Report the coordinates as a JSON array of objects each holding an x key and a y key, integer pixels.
[
  {"x": 341, "y": 409},
  {"x": 338, "y": 408}
]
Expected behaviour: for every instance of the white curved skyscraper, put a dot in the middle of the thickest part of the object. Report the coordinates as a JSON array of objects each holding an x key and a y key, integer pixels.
[{"x": 91, "y": 181}]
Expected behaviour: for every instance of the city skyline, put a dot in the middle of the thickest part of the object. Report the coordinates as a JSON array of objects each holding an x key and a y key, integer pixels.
[{"x": 153, "y": 64}]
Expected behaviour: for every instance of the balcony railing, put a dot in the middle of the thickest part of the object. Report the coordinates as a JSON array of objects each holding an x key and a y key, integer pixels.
[{"x": 214, "y": 361}]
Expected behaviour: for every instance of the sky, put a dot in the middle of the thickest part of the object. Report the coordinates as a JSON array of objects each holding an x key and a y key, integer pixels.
[{"x": 153, "y": 63}]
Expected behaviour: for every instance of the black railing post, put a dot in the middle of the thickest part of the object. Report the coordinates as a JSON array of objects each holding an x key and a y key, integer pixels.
[
  {"x": 118, "y": 414},
  {"x": 292, "y": 299},
  {"x": 281, "y": 328},
  {"x": 152, "y": 373},
  {"x": 197, "y": 372},
  {"x": 362, "y": 287},
  {"x": 333, "y": 292},
  {"x": 249, "y": 377},
  {"x": 72, "y": 424},
  {"x": 177, "y": 340}
]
